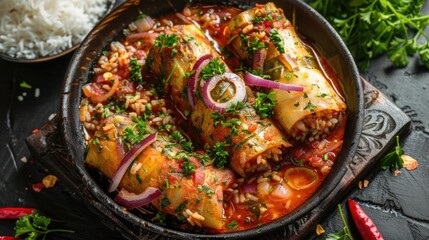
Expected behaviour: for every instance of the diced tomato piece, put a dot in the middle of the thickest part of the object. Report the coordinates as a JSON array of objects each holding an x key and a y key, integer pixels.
[
  {"x": 198, "y": 176},
  {"x": 126, "y": 87},
  {"x": 268, "y": 23},
  {"x": 140, "y": 54}
]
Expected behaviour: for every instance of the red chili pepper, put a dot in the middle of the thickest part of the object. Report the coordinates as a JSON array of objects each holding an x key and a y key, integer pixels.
[
  {"x": 8, "y": 238},
  {"x": 364, "y": 224},
  {"x": 14, "y": 213}
]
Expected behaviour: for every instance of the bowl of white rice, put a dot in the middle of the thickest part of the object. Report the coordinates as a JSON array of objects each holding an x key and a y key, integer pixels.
[{"x": 41, "y": 30}]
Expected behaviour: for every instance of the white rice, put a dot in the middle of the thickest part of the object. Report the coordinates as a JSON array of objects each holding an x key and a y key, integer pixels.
[{"x": 35, "y": 28}]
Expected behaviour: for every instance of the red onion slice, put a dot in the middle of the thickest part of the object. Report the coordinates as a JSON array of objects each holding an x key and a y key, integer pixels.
[
  {"x": 131, "y": 200},
  {"x": 210, "y": 84},
  {"x": 253, "y": 80},
  {"x": 192, "y": 83},
  {"x": 128, "y": 159}
]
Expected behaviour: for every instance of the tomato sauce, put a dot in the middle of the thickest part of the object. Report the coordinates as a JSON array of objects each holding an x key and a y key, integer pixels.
[{"x": 262, "y": 198}]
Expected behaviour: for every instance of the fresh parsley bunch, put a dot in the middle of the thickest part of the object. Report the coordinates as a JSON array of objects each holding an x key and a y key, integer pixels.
[
  {"x": 373, "y": 27},
  {"x": 33, "y": 226}
]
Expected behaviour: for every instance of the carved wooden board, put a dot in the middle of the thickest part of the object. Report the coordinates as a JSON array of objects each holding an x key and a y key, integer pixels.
[{"x": 383, "y": 121}]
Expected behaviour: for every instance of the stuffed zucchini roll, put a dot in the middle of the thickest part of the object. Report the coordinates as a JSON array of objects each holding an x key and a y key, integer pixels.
[
  {"x": 214, "y": 100},
  {"x": 190, "y": 190},
  {"x": 268, "y": 42}
]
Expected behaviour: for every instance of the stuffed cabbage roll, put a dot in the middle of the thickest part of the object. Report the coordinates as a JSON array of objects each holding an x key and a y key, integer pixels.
[
  {"x": 196, "y": 196},
  {"x": 268, "y": 42},
  {"x": 214, "y": 100}
]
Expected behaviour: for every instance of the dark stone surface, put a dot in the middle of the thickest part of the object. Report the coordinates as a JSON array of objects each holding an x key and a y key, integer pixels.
[{"x": 398, "y": 205}]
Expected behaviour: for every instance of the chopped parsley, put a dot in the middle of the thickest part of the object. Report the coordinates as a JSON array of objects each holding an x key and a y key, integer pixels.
[
  {"x": 165, "y": 202},
  {"x": 232, "y": 124},
  {"x": 166, "y": 41},
  {"x": 189, "y": 74},
  {"x": 187, "y": 39},
  {"x": 219, "y": 154},
  {"x": 232, "y": 225},
  {"x": 277, "y": 40},
  {"x": 139, "y": 178},
  {"x": 181, "y": 207},
  {"x": 214, "y": 67},
  {"x": 290, "y": 74},
  {"x": 264, "y": 104},
  {"x": 160, "y": 218},
  {"x": 233, "y": 109},
  {"x": 135, "y": 134},
  {"x": 206, "y": 189},
  {"x": 136, "y": 71},
  {"x": 96, "y": 142},
  {"x": 257, "y": 20},
  {"x": 310, "y": 107},
  {"x": 178, "y": 138},
  {"x": 188, "y": 167},
  {"x": 106, "y": 113},
  {"x": 322, "y": 95},
  {"x": 251, "y": 46}
]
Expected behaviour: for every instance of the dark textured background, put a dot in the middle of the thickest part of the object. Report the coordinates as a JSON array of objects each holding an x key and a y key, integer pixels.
[{"x": 398, "y": 205}]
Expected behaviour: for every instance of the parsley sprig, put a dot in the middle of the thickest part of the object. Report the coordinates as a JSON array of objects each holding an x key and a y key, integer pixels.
[
  {"x": 178, "y": 138},
  {"x": 166, "y": 41},
  {"x": 258, "y": 19},
  {"x": 34, "y": 226},
  {"x": 136, "y": 133},
  {"x": 136, "y": 71},
  {"x": 393, "y": 160},
  {"x": 264, "y": 104},
  {"x": 214, "y": 67},
  {"x": 343, "y": 233},
  {"x": 371, "y": 28},
  {"x": 188, "y": 167},
  {"x": 251, "y": 45},
  {"x": 227, "y": 119},
  {"x": 219, "y": 154},
  {"x": 277, "y": 40}
]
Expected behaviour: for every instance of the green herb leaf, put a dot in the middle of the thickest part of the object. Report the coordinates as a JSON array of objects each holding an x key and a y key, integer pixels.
[
  {"x": 135, "y": 134},
  {"x": 372, "y": 28},
  {"x": 34, "y": 226},
  {"x": 219, "y": 154},
  {"x": 214, "y": 67},
  {"x": 310, "y": 107},
  {"x": 277, "y": 40},
  {"x": 264, "y": 104},
  {"x": 164, "y": 202},
  {"x": 251, "y": 44},
  {"x": 257, "y": 20},
  {"x": 393, "y": 160},
  {"x": 188, "y": 167},
  {"x": 166, "y": 41},
  {"x": 136, "y": 71},
  {"x": 24, "y": 84},
  {"x": 232, "y": 225},
  {"x": 343, "y": 233}
]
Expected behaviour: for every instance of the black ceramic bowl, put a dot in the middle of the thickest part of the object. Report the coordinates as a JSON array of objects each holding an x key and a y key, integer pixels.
[{"x": 309, "y": 24}]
